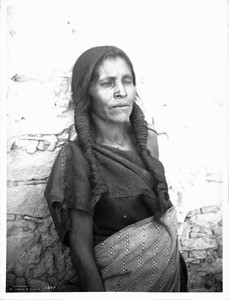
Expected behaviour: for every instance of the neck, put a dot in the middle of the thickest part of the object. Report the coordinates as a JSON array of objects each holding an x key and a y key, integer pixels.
[{"x": 112, "y": 134}]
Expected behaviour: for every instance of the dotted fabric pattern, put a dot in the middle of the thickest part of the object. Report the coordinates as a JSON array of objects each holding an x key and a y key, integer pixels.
[{"x": 141, "y": 257}]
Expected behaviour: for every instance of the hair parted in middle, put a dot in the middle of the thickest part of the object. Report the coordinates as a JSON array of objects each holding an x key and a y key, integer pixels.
[{"x": 84, "y": 72}]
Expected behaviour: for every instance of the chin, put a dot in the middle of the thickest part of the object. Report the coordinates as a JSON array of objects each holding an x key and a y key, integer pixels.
[{"x": 122, "y": 119}]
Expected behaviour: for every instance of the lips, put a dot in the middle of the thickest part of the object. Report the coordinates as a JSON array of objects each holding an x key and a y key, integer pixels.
[{"x": 121, "y": 105}]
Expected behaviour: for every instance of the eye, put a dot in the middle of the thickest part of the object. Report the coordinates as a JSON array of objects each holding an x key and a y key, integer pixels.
[
  {"x": 107, "y": 83},
  {"x": 128, "y": 81}
]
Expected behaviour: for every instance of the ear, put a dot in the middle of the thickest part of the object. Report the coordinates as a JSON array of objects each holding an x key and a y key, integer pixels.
[{"x": 152, "y": 142}]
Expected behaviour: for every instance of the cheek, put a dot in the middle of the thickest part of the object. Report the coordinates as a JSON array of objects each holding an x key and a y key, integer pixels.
[
  {"x": 99, "y": 105},
  {"x": 99, "y": 97},
  {"x": 132, "y": 93}
]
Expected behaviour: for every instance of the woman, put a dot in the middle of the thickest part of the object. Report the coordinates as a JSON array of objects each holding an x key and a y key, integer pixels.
[{"x": 107, "y": 191}]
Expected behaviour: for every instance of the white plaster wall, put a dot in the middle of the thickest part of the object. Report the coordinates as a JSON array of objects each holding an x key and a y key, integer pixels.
[{"x": 178, "y": 49}]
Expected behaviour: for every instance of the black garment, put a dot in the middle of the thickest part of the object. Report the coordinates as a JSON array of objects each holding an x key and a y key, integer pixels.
[
  {"x": 130, "y": 196},
  {"x": 183, "y": 275}
]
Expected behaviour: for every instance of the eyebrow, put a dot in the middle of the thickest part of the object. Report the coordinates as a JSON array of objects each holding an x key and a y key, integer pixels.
[{"x": 114, "y": 77}]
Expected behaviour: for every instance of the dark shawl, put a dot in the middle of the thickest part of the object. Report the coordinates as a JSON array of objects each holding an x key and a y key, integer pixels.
[{"x": 69, "y": 184}]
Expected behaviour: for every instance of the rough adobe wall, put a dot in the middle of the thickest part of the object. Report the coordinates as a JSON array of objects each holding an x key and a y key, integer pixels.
[{"x": 40, "y": 121}]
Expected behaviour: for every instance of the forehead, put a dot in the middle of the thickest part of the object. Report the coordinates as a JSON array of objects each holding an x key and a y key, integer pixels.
[{"x": 114, "y": 67}]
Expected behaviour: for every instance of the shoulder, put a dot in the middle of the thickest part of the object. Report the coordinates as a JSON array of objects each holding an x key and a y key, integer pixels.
[
  {"x": 71, "y": 148},
  {"x": 152, "y": 142},
  {"x": 72, "y": 152},
  {"x": 72, "y": 158}
]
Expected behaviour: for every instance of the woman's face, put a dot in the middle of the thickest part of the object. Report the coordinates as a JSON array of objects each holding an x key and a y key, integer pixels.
[{"x": 113, "y": 91}]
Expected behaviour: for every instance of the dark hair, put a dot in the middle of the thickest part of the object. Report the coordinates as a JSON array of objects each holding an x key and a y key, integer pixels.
[{"x": 84, "y": 71}]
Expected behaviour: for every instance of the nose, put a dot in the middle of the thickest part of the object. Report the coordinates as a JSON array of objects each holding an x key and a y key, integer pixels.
[{"x": 120, "y": 91}]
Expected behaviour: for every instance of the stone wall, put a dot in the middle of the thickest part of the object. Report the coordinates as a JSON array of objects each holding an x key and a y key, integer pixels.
[
  {"x": 200, "y": 238},
  {"x": 36, "y": 261},
  {"x": 40, "y": 121}
]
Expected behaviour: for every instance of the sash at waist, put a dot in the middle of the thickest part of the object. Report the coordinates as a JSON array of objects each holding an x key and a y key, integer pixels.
[{"x": 141, "y": 257}]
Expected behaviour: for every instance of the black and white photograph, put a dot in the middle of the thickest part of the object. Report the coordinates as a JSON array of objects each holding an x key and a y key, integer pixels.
[{"x": 114, "y": 149}]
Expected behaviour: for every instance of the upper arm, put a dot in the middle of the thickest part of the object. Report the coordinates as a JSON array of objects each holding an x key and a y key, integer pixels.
[{"x": 152, "y": 142}]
